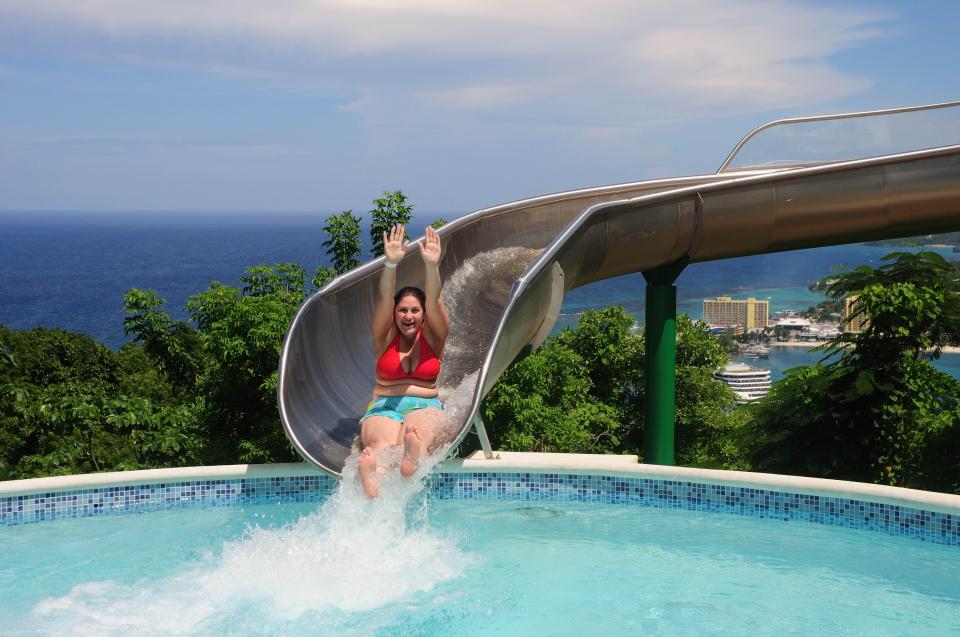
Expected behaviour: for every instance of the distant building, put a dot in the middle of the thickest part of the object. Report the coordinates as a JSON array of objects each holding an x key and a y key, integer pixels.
[
  {"x": 850, "y": 308},
  {"x": 792, "y": 328},
  {"x": 750, "y": 314},
  {"x": 726, "y": 330}
]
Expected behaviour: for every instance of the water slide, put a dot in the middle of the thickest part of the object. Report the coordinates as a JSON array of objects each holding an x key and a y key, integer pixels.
[{"x": 788, "y": 185}]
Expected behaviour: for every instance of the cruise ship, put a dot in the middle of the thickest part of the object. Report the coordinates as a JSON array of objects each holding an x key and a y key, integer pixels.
[{"x": 748, "y": 383}]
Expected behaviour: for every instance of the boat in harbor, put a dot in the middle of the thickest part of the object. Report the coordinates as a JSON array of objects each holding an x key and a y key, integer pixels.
[
  {"x": 756, "y": 351},
  {"x": 747, "y": 382}
]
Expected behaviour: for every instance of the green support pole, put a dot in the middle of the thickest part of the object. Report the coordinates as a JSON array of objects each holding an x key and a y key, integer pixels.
[{"x": 661, "y": 363}]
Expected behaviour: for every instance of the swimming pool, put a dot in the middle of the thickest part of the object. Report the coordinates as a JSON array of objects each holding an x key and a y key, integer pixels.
[{"x": 603, "y": 547}]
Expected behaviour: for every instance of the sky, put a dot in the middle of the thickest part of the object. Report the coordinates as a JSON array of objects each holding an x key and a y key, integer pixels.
[{"x": 320, "y": 105}]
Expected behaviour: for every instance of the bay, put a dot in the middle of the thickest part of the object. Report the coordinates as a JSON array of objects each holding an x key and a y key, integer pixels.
[{"x": 782, "y": 359}]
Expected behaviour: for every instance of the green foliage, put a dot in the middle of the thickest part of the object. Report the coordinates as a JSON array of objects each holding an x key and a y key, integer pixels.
[
  {"x": 343, "y": 244},
  {"x": 173, "y": 345},
  {"x": 825, "y": 311},
  {"x": 177, "y": 395},
  {"x": 582, "y": 391},
  {"x": 66, "y": 406},
  {"x": 543, "y": 403},
  {"x": 240, "y": 334},
  {"x": 439, "y": 223},
  {"x": 283, "y": 280},
  {"x": 55, "y": 357},
  {"x": 323, "y": 276},
  {"x": 388, "y": 211},
  {"x": 913, "y": 302},
  {"x": 95, "y": 433},
  {"x": 705, "y": 417},
  {"x": 880, "y": 412}
]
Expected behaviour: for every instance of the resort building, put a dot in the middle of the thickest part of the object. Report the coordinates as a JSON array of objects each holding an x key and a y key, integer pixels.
[
  {"x": 748, "y": 383},
  {"x": 751, "y": 314},
  {"x": 859, "y": 321}
]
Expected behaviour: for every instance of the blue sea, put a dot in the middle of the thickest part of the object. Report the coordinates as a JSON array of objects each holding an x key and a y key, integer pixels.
[{"x": 70, "y": 270}]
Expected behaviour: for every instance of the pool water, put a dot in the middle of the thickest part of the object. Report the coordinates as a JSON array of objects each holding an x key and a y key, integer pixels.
[{"x": 408, "y": 565}]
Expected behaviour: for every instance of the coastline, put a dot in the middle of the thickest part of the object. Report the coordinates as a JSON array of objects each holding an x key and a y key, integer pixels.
[
  {"x": 946, "y": 349},
  {"x": 807, "y": 344}
]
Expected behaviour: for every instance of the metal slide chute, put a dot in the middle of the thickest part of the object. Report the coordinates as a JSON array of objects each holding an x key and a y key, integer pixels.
[{"x": 505, "y": 269}]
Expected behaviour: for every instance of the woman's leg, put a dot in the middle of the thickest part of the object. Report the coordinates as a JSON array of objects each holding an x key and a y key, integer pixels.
[
  {"x": 376, "y": 433},
  {"x": 421, "y": 428}
]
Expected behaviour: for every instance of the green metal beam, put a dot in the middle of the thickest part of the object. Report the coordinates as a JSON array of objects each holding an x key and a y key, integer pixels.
[{"x": 661, "y": 363}]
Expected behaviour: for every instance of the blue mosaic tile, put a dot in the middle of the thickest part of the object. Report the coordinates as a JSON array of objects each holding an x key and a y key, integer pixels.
[
  {"x": 23, "y": 509},
  {"x": 931, "y": 526}
]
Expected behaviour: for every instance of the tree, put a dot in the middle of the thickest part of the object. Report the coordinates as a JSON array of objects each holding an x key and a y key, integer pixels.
[
  {"x": 706, "y": 416},
  {"x": 343, "y": 244},
  {"x": 174, "y": 345},
  {"x": 66, "y": 407},
  {"x": 918, "y": 277},
  {"x": 544, "y": 403},
  {"x": 323, "y": 276},
  {"x": 241, "y": 333},
  {"x": 438, "y": 223},
  {"x": 880, "y": 412},
  {"x": 583, "y": 391},
  {"x": 388, "y": 211}
]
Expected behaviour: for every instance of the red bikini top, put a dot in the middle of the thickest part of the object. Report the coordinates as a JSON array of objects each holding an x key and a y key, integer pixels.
[{"x": 389, "y": 366}]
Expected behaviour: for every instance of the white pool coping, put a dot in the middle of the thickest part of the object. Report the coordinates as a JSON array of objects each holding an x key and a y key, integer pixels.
[{"x": 516, "y": 462}]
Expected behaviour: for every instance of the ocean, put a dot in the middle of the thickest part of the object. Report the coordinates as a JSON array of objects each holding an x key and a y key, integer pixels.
[{"x": 70, "y": 270}]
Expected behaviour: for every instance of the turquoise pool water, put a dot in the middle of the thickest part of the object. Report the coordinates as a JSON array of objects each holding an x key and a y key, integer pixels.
[{"x": 409, "y": 565}]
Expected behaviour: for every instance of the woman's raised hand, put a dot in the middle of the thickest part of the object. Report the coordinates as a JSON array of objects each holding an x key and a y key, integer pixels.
[
  {"x": 395, "y": 245},
  {"x": 430, "y": 248}
]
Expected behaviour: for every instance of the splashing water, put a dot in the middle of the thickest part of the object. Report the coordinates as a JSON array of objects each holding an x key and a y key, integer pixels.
[
  {"x": 474, "y": 297},
  {"x": 351, "y": 556}
]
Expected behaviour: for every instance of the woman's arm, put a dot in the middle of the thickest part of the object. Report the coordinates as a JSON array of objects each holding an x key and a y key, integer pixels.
[
  {"x": 437, "y": 324},
  {"x": 381, "y": 326}
]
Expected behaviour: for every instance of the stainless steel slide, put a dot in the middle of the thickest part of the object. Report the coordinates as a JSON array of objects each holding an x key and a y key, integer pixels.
[{"x": 505, "y": 269}]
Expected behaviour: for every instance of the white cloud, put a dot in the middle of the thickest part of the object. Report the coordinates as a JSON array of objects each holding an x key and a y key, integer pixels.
[
  {"x": 767, "y": 55},
  {"x": 482, "y": 96},
  {"x": 589, "y": 65}
]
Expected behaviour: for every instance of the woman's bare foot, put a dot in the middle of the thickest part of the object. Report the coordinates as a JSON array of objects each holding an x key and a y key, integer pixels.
[
  {"x": 411, "y": 451},
  {"x": 367, "y": 468}
]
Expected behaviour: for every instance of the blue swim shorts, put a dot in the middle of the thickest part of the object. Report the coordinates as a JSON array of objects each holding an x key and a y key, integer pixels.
[{"x": 396, "y": 407}]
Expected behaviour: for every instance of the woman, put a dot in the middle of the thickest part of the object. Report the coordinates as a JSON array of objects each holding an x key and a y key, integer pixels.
[{"x": 409, "y": 332}]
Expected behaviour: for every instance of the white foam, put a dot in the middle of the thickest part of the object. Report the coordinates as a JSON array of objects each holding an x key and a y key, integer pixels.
[{"x": 353, "y": 555}]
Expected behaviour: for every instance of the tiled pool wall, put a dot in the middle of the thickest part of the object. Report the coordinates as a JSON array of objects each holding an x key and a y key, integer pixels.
[
  {"x": 930, "y": 526},
  {"x": 892, "y": 519},
  {"x": 140, "y": 498}
]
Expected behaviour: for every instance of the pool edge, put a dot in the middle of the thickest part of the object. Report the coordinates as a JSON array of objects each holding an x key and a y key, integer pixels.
[
  {"x": 608, "y": 479},
  {"x": 511, "y": 462}
]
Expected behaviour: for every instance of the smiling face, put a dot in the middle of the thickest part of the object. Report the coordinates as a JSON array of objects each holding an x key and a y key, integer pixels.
[{"x": 408, "y": 315}]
